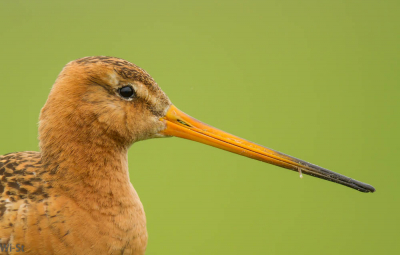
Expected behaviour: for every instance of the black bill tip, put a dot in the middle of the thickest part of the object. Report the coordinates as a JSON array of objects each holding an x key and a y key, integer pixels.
[{"x": 363, "y": 187}]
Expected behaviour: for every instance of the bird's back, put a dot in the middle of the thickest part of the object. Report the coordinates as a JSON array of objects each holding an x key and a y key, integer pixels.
[{"x": 20, "y": 186}]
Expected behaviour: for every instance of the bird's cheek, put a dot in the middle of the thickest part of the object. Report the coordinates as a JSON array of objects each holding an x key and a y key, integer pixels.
[
  {"x": 161, "y": 126},
  {"x": 154, "y": 128}
]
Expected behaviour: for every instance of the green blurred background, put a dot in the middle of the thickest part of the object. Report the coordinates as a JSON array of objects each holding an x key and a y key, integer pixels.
[{"x": 318, "y": 80}]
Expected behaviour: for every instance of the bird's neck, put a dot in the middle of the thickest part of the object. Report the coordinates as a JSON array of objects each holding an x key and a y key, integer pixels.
[{"x": 96, "y": 177}]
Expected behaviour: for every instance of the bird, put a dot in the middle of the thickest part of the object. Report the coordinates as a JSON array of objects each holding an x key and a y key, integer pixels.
[{"x": 75, "y": 195}]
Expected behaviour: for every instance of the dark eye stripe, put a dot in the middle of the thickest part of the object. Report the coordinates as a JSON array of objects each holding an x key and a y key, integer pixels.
[{"x": 127, "y": 92}]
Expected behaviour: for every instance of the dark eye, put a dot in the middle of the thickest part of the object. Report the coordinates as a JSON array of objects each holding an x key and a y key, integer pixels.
[{"x": 127, "y": 92}]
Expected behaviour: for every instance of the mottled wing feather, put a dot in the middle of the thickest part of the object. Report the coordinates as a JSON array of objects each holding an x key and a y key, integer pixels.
[{"x": 20, "y": 184}]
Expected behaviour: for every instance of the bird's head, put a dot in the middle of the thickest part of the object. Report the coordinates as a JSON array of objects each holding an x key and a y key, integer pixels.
[
  {"x": 106, "y": 102},
  {"x": 105, "y": 99}
]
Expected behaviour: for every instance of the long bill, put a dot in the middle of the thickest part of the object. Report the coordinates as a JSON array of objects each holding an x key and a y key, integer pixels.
[{"x": 180, "y": 124}]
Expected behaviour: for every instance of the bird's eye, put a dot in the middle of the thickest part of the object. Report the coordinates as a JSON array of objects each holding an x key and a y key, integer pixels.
[{"x": 127, "y": 92}]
